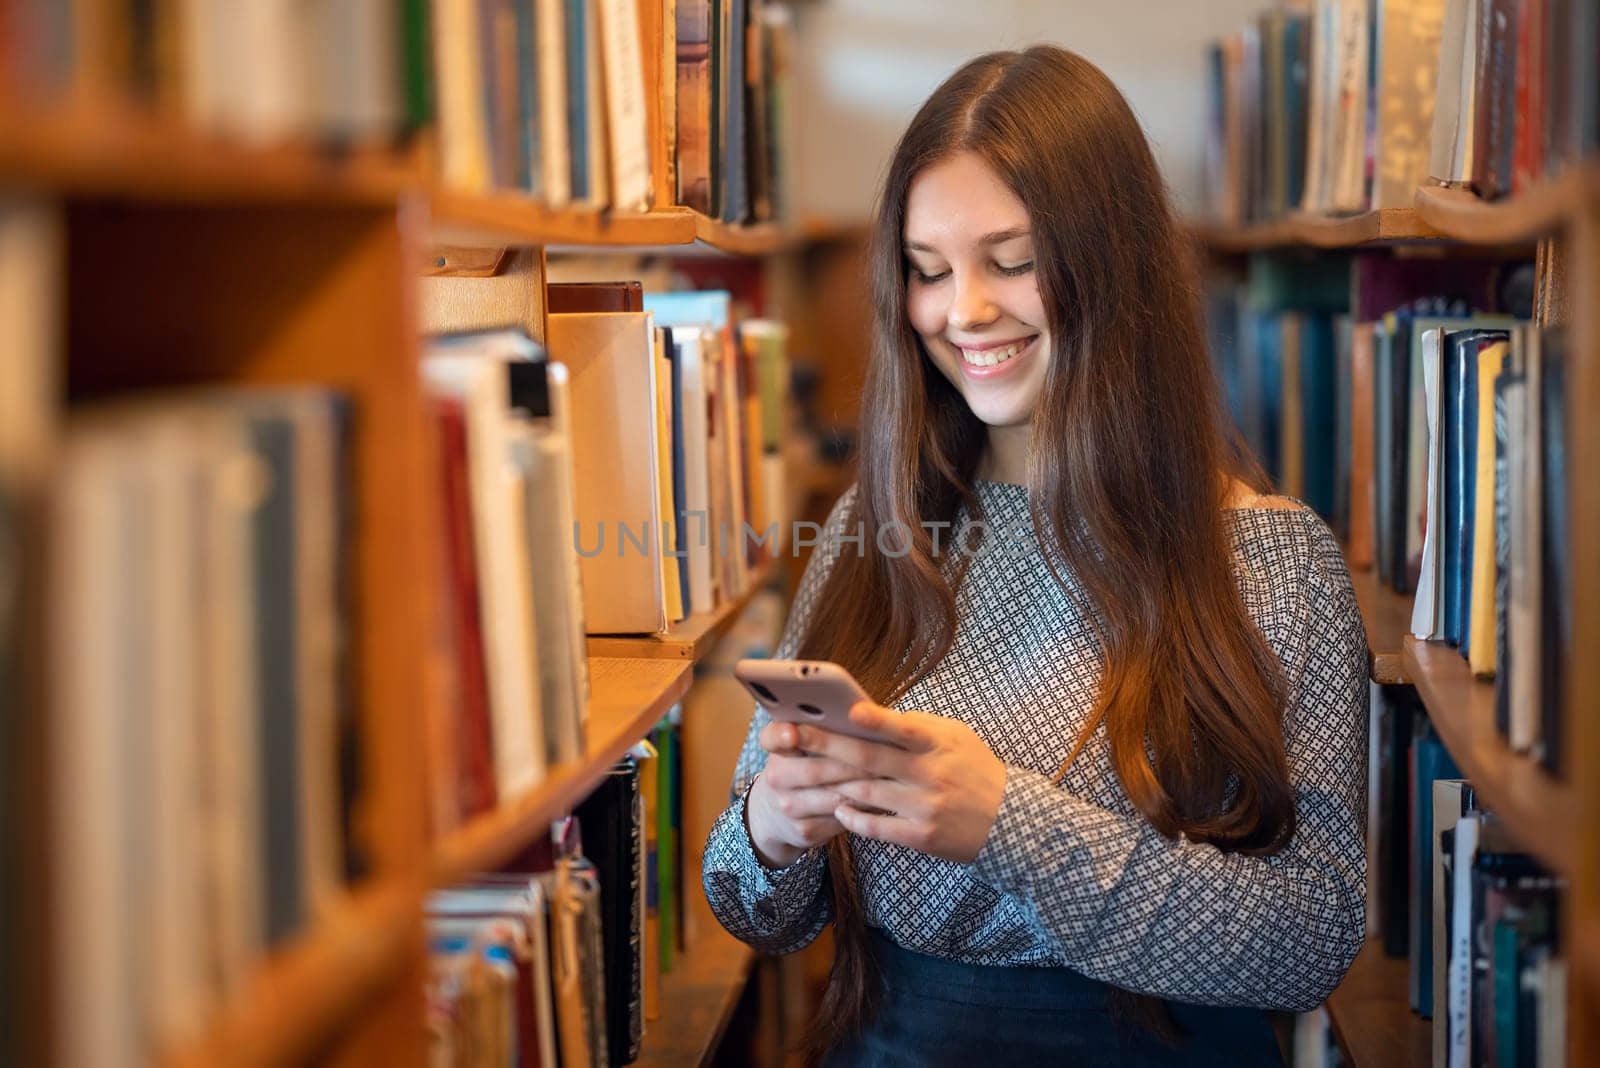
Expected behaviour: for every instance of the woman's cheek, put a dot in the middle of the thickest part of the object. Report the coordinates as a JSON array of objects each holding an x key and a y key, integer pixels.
[{"x": 924, "y": 311}]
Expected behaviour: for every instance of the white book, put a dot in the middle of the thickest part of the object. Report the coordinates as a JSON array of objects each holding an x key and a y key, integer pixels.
[
  {"x": 1426, "y": 617},
  {"x": 556, "y": 379},
  {"x": 355, "y": 70},
  {"x": 94, "y": 967},
  {"x": 458, "y": 82},
  {"x": 537, "y": 455},
  {"x": 480, "y": 381},
  {"x": 268, "y": 71},
  {"x": 625, "y": 104},
  {"x": 599, "y": 133},
  {"x": 554, "y": 133},
  {"x": 1460, "y": 968},
  {"x": 1349, "y": 188},
  {"x": 692, "y": 342},
  {"x": 171, "y": 459},
  {"x": 1453, "y": 148},
  {"x": 1450, "y": 798}
]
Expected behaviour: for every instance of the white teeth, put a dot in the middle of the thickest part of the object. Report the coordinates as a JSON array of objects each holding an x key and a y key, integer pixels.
[{"x": 991, "y": 357}]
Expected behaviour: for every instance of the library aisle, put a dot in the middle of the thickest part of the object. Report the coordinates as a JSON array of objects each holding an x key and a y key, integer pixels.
[{"x": 407, "y": 411}]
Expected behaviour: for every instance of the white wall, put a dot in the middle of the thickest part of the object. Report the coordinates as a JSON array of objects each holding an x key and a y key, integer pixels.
[{"x": 865, "y": 66}]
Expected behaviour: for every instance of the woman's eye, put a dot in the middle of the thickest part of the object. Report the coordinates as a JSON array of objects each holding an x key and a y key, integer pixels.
[
  {"x": 926, "y": 278},
  {"x": 1012, "y": 272}
]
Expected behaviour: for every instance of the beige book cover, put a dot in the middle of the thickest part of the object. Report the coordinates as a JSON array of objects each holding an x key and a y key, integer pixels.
[
  {"x": 555, "y": 138},
  {"x": 691, "y": 343},
  {"x": 612, "y": 381},
  {"x": 627, "y": 118},
  {"x": 458, "y": 80},
  {"x": 1409, "y": 34},
  {"x": 1349, "y": 162},
  {"x": 1452, "y": 150},
  {"x": 1527, "y": 558},
  {"x": 1292, "y": 427}
]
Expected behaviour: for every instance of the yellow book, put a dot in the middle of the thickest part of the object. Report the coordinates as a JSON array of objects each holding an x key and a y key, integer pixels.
[
  {"x": 671, "y": 580},
  {"x": 1481, "y": 642}
]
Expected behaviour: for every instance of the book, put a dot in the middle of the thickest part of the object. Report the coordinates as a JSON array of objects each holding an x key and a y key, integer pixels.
[
  {"x": 627, "y": 122},
  {"x": 612, "y": 837},
  {"x": 612, "y": 380},
  {"x": 1479, "y": 644}
]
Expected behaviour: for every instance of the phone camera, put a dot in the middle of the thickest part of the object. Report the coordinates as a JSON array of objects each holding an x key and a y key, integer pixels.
[
  {"x": 811, "y": 710},
  {"x": 766, "y": 694},
  {"x": 805, "y": 669}
]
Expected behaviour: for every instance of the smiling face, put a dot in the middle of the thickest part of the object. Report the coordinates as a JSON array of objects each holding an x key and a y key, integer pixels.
[{"x": 972, "y": 294}]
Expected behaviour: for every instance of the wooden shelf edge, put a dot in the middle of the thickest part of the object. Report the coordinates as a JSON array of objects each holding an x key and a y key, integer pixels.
[
  {"x": 1539, "y": 811},
  {"x": 1317, "y": 231},
  {"x": 129, "y": 153},
  {"x": 627, "y": 699},
  {"x": 1536, "y": 213},
  {"x": 698, "y": 998},
  {"x": 469, "y": 218},
  {"x": 307, "y": 989},
  {"x": 1371, "y": 1016},
  {"x": 694, "y": 637}
]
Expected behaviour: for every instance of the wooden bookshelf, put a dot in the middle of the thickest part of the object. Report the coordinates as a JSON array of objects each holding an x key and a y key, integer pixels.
[
  {"x": 1387, "y": 616},
  {"x": 695, "y": 636},
  {"x": 1539, "y": 212},
  {"x": 108, "y": 152},
  {"x": 628, "y": 697},
  {"x": 513, "y": 219},
  {"x": 1371, "y": 1014},
  {"x": 312, "y": 986},
  {"x": 1539, "y": 810},
  {"x": 1371, "y": 228},
  {"x": 697, "y": 1000}
]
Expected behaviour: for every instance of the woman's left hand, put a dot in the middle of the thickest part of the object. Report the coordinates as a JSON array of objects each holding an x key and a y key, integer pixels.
[{"x": 937, "y": 788}]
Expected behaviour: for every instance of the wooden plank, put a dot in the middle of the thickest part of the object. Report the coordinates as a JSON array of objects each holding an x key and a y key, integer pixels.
[
  {"x": 311, "y": 987},
  {"x": 697, "y": 1000},
  {"x": 627, "y": 698},
  {"x": 694, "y": 637},
  {"x": 475, "y": 219},
  {"x": 1372, "y": 1018},
  {"x": 1369, "y": 228},
  {"x": 1539, "y": 212},
  {"x": 1387, "y": 616},
  {"x": 1539, "y": 811},
  {"x": 101, "y": 152}
]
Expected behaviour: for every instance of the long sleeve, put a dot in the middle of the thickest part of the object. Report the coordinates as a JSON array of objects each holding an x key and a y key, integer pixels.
[
  {"x": 776, "y": 911},
  {"x": 1183, "y": 920}
]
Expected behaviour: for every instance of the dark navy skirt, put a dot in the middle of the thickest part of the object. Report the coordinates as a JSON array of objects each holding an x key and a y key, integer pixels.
[{"x": 939, "y": 1012}]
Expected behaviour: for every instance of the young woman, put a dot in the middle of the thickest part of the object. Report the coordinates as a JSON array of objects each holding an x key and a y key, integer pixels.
[{"x": 1124, "y": 812}]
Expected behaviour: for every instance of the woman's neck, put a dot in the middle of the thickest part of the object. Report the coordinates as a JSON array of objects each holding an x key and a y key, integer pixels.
[{"x": 1006, "y": 458}]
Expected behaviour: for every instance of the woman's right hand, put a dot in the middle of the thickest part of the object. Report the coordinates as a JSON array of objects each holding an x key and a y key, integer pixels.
[{"x": 790, "y": 808}]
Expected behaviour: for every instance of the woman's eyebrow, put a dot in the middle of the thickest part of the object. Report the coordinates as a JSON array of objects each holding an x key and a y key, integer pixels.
[{"x": 996, "y": 238}]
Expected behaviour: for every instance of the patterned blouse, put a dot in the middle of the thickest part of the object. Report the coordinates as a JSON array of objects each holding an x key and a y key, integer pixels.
[{"x": 1072, "y": 875}]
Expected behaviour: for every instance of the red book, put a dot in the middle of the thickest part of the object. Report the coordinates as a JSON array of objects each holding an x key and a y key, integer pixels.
[
  {"x": 475, "y": 785},
  {"x": 1527, "y": 151}
]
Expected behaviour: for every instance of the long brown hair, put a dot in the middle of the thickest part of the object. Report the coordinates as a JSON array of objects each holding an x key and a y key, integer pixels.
[{"x": 1128, "y": 473}]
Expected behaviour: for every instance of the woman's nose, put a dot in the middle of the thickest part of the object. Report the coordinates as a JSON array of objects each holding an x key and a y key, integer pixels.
[{"x": 972, "y": 306}]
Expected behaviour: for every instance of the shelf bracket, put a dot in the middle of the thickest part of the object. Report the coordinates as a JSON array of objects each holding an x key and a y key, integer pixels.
[{"x": 458, "y": 261}]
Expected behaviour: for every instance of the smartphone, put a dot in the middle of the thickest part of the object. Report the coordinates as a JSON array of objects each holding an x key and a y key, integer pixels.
[{"x": 817, "y": 692}]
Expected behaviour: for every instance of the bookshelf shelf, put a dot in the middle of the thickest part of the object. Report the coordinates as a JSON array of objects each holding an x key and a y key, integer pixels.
[
  {"x": 1388, "y": 617},
  {"x": 1539, "y": 810},
  {"x": 627, "y": 698},
  {"x": 509, "y": 218},
  {"x": 1369, "y": 228},
  {"x": 697, "y": 1000},
  {"x": 1372, "y": 1018},
  {"x": 693, "y": 638},
  {"x": 762, "y": 239},
  {"x": 311, "y": 987},
  {"x": 1539, "y": 212},
  {"x": 127, "y": 153}
]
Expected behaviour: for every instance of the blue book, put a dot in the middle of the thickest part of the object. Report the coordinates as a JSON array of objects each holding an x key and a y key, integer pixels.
[
  {"x": 1319, "y": 394},
  {"x": 1452, "y": 512},
  {"x": 706, "y": 307},
  {"x": 578, "y": 96},
  {"x": 1269, "y": 354}
]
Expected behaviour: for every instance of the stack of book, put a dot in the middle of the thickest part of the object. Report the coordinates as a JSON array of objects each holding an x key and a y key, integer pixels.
[
  {"x": 1473, "y": 915},
  {"x": 559, "y": 960},
  {"x": 1433, "y": 438},
  {"x": 200, "y": 694},
  {"x": 658, "y": 503},
  {"x": 630, "y": 104},
  {"x": 1352, "y": 105},
  {"x": 346, "y": 71}
]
